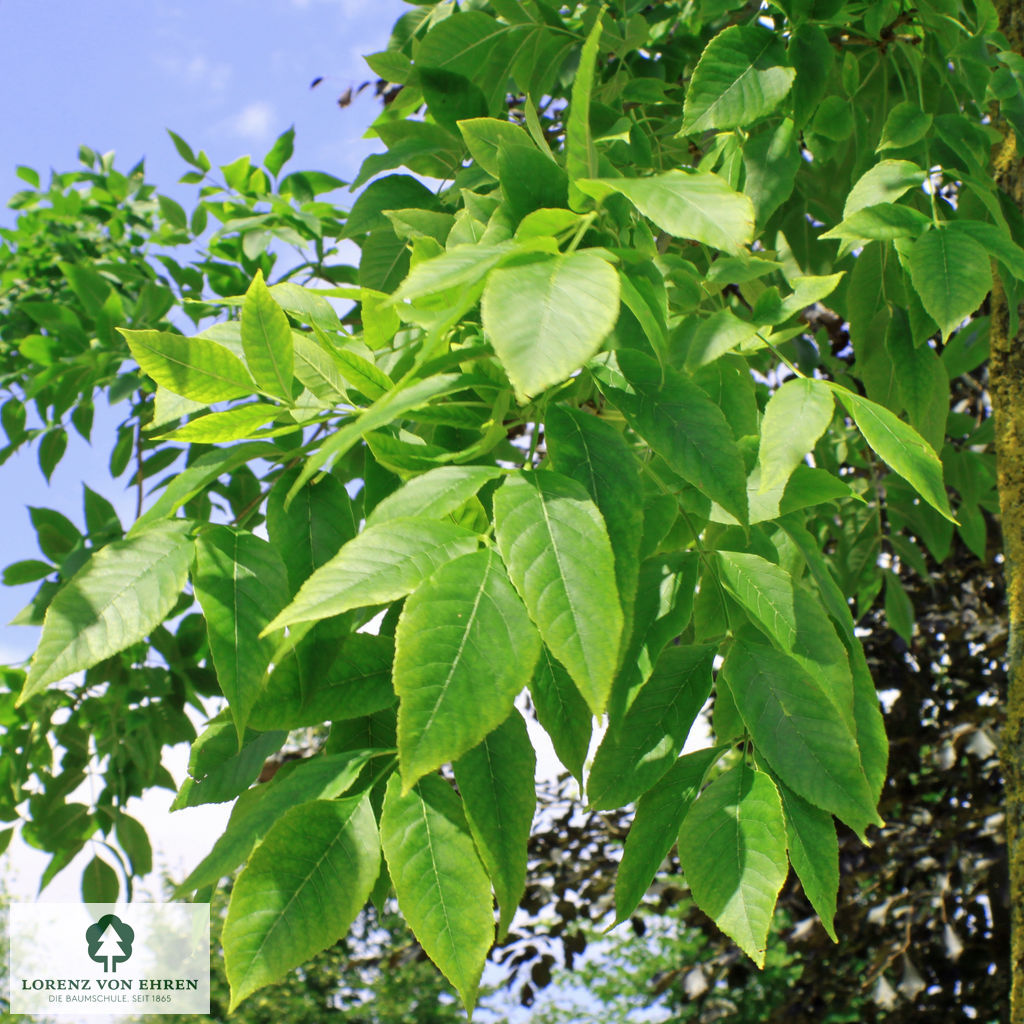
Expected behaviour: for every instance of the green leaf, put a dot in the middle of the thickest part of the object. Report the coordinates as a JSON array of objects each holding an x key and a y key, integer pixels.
[
  {"x": 258, "y": 809},
  {"x": 362, "y": 374},
  {"x": 732, "y": 847},
  {"x": 814, "y": 853},
  {"x": 771, "y": 159},
  {"x": 883, "y": 183},
  {"x": 813, "y": 57},
  {"x": 217, "y": 769},
  {"x": 442, "y": 887},
  {"x": 240, "y": 581},
  {"x": 51, "y": 450},
  {"x": 882, "y": 222},
  {"x": 384, "y": 261},
  {"x": 996, "y": 240},
  {"x": 899, "y": 446},
  {"x": 124, "y": 591},
  {"x": 591, "y": 450},
  {"x": 580, "y": 153},
  {"x": 382, "y": 563},
  {"x": 230, "y": 425},
  {"x": 468, "y": 44},
  {"x": 659, "y": 815},
  {"x": 799, "y": 730},
  {"x": 547, "y": 318},
  {"x": 27, "y": 571},
  {"x": 132, "y": 837},
  {"x": 311, "y": 532},
  {"x": 637, "y": 751},
  {"x": 530, "y": 181},
  {"x": 267, "y": 340},
  {"x": 485, "y": 136},
  {"x": 899, "y": 611},
  {"x": 195, "y": 368},
  {"x": 741, "y": 77},
  {"x": 434, "y": 494},
  {"x": 99, "y": 882},
  {"x": 906, "y": 124},
  {"x": 921, "y": 383},
  {"x": 393, "y": 192},
  {"x": 301, "y": 890},
  {"x": 765, "y": 590},
  {"x": 495, "y": 779},
  {"x": 555, "y": 544},
  {"x": 871, "y": 739},
  {"x": 464, "y": 648},
  {"x": 461, "y": 266},
  {"x": 385, "y": 410},
  {"x": 685, "y": 428},
  {"x": 794, "y": 418},
  {"x": 281, "y": 152},
  {"x": 719, "y": 333},
  {"x": 562, "y": 712},
  {"x": 318, "y": 370},
  {"x": 307, "y": 304},
  {"x": 204, "y": 470},
  {"x": 686, "y": 204},
  {"x": 330, "y": 675},
  {"x": 952, "y": 274}
]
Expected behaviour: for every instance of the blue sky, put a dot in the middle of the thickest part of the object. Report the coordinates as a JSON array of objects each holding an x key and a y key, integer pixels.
[{"x": 229, "y": 77}]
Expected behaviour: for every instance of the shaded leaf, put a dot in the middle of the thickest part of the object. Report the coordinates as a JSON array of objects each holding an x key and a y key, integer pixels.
[
  {"x": 300, "y": 891},
  {"x": 495, "y": 780},
  {"x": 732, "y": 847}
]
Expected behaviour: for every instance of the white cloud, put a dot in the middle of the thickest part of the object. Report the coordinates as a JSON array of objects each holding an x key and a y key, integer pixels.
[
  {"x": 198, "y": 71},
  {"x": 254, "y": 121}
]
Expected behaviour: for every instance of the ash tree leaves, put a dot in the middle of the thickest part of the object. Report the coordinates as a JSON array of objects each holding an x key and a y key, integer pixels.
[
  {"x": 555, "y": 544},
  {"x": 547, "y": 318},
  {"x": 495, "y": 780},
  {"x": 119, "y": 595},
  {"x": 741, "y": 76},
  {"x": 685, "y": 428},
  {"x": 592, "y": 451},
  {"x": 796, "y": 726},
  {"x": 794, "y": 418},
  {"x": 659, "y": 815},
  {"x": 464, "y": 649},
  {"x": 686, "y": 204},
  {"x": 579, "y": 421},
  {"x": 640, "y": 748},
  {"x": 441, "y": 885},
  {"x": 195, "y": 368},
  {"x": 900, "y": 446},
  {"x": 267, "y": 340},
  {"x": 732, "y": 846},
  {"x": 952, "y": 274},
  {"x": 239, "y": 579},
  {"x": 384, "y": 562},
  {"x": 300, "y": 891}
]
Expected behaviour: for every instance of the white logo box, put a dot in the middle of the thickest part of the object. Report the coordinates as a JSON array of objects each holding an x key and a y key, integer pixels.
[{"x": 79, "y": 959}]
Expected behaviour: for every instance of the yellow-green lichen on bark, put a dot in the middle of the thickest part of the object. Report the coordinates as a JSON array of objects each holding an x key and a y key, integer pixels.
[{"x": 1006, "y": 384}]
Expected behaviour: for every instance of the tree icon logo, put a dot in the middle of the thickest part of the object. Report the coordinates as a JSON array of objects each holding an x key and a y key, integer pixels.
[{"x": 110, "y": 941}]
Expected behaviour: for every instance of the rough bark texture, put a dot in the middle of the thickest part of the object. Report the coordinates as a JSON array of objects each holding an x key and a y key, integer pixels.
[{"x": 1006, "y": 370}]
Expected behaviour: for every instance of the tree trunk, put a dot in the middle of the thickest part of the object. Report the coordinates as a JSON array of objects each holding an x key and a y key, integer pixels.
[{"x": 1006, "y": 383}]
